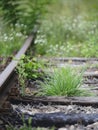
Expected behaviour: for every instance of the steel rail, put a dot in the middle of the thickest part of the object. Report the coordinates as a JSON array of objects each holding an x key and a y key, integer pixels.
[{"x": 7, "y": 77}]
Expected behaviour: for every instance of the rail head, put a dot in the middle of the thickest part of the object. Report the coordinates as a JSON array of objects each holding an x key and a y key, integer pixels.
[{"x": 10, "y": 68}]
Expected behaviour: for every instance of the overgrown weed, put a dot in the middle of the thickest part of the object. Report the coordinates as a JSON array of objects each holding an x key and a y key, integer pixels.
[
  {"x": 28, "y": 68},
  {"x": 63, "y": 82}
]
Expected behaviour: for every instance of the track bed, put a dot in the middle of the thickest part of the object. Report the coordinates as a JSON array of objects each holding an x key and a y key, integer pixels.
[{"x": 69, "y": 113}]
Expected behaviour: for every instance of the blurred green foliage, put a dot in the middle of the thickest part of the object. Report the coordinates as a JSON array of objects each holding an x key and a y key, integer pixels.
[
  {"x": 8, "y": 11},
  {"x": 70, "y": 29},
  {"x": 26, "y": 12},
  {"x": 17, "y": 19}
]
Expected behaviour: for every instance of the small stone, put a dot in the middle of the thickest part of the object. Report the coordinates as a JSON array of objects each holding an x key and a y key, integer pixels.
[
  {"x": 62, "y": 128},
  {"x": 93, "y": 125},
  {"x": 72, "y": 127},
  {"x": 27, "y": 91},
  {"x": 1, "y": 122},
  {"x": 80, "y": 127},
  {"x": 69, "y": 108},
  {"x": 88, "y": 112}
]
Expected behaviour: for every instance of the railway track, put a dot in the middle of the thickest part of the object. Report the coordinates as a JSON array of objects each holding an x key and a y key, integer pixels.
[
  {"x": 8, "y": 76},
  {"x": 10, "y": 96}
]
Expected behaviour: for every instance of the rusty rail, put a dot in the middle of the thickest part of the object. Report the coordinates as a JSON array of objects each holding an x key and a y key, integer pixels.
[{"x": 7, "y": 77}]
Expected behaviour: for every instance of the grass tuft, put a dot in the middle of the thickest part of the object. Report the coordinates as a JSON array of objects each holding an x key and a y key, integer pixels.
[{"x": 63, "y": 82}]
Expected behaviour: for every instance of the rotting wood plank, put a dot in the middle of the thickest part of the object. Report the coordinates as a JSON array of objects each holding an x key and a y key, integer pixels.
[
  {"x": 83, "y": 101},
  {"x": 90, "y": 74},
  {"x": 58, "y": 119},
  {"x": 65, "y": 59}
]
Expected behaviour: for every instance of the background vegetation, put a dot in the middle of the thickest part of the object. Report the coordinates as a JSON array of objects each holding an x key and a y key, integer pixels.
[
  {"x": 17, "y": 19},
  {"x": 70, "y": 29}
]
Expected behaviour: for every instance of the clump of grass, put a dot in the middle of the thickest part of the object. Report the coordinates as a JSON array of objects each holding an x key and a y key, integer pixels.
[{"x": 63, "y": 82}]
